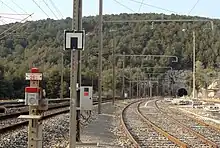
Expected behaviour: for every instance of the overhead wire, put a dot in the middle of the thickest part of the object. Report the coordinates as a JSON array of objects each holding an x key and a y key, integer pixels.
[
  {"x": 56, "y": 9},
  {"x": 140, "y": 5},
  {"x": 14, "y": 30},
  {"x": 8, "y": 6},
  {"x": 19, "y": 6},
  {"x": 12, "y": 27},
  {"x": 124, "y": 5},
  {"x": 50, "y": 9},
  {"x": 153, "y": 6},
  {"x": 12, "y": 14},
  {"x": 10, "y": 18},
  {"x": 193, "y": 6},
  {"x": 40, "y": 8}
]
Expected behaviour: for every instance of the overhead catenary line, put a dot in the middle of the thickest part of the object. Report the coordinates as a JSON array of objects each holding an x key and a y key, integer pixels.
[
  {"x": 193, "y": 6},
  {"x": 19, "y": 7},
  {"x": 10, "y": 18},
  {"x": 13, "y": 14},
  {"x": 153, "y": 6},
  {"x": 16, "y": 24},
  {"x": 40, "y": 8},
  {"x": 140, "y": 6},
  {"x": 124, "y": 5},
  {"x": 50, "y": 9},
  {"x": 8, "y": 6},
  {"x": 14, "y": 30},
  {"x": 57, "y": 10}
]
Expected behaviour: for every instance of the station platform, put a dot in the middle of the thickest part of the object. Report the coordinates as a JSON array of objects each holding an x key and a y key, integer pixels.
[{"x": 100, "y": 132}]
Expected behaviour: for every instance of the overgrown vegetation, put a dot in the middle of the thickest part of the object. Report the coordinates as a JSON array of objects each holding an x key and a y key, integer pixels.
[{"x": 40, "y": 42}]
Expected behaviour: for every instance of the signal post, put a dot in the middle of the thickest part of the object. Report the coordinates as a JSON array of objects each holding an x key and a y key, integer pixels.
[{"x": 37, "y": 105}]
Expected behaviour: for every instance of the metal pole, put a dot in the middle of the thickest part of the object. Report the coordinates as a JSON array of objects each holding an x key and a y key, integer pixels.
[
  {"x": 100, "y": 55},
  {"x": 113, "y": 75},
  {"x": 194, "y": 63},
  {"x": 123, "y": 76},
  {"x": 137, "y": 87},
  {"x": 150, "y": 89},
  {"x": 62, "y": 89},
  {"x": 130, "y": 89},
  {"x": 157, "y": 89}
]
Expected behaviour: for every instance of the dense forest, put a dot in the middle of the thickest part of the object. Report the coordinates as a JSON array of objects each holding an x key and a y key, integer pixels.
[{"x": 40, "y": 44}]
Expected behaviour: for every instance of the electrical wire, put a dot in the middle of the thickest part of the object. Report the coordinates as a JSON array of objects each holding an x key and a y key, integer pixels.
[
  {"x": 124, "y": 5},
  {"x": 40, "y": 8},
  {"x": 14, "y": 30},
  {"x": 15, "y": 26},
  {"x": 13, "y": 14},
  {"x": 10, "y": 18},
  {"x": 8, "y": 6},
  {"x": 153, "y": 6},
  {"x": 50, "y": 9},
  {"x": 141, "y": 5},
  {"x": 194, "y": 6},
  {"x": 19, "y": 6},
  {"x": 57, "y": 10}
]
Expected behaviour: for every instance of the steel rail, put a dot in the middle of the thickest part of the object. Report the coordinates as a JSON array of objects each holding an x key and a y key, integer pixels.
[
  {"x": 124, "y": 127},
  {"x": 203, "y": 138},
  {"x": 159, "y": 130},
  {"x": 23, "y": 123}
]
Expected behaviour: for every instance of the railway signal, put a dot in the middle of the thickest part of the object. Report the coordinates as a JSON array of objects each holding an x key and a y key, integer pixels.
[{"x": 37, "y": 104}]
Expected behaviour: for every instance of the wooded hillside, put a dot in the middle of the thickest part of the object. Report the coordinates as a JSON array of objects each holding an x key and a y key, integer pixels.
[{"x": 40, "y": 42}]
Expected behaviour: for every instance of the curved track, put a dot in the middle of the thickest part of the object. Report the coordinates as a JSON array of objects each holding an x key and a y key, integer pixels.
[
  {"x": 212, "y": 133},
  {"x": 144, "y": 133},
  {"x": 178, "y": 129}
]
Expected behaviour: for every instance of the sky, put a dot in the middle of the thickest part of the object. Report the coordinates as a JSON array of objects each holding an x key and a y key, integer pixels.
[{"x": 206, "y": 8}]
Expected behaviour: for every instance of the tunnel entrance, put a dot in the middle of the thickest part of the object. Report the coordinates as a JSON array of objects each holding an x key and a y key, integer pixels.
[{"x": 182, "y": 92}]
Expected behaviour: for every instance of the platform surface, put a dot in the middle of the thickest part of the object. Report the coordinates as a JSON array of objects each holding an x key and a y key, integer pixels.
[{"x": 100, "y": 130}]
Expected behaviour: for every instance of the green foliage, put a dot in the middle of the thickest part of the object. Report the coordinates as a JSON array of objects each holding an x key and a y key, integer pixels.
[{"x": 39, "y": 43}]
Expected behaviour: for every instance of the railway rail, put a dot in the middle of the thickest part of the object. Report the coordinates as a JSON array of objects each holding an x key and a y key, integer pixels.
[
  {"x": 211, "y": 132},
  {"x": 178, "y": 129},
  {"x": 52, "y": 111},
  {"x": 142, "y": 132}
]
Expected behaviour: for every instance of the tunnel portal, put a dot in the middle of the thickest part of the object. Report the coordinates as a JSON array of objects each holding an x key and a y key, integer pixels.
[{"x": 182, "y": 92}]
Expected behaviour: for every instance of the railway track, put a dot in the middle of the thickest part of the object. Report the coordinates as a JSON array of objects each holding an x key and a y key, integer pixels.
[
  {"x": 142, "y": 132},
  {"x": 14, "y": 123},
  {"x": 178, "y": 129},
  {"x": 210, "y": 132}
]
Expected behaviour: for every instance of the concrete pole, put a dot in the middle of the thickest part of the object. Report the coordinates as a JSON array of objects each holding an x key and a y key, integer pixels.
[
  {"x": 130, "y": 89},
  {"x": 113, "y": 75},
  {"x": 62, "y": 66},
  {"x": 100, "y": 55},
  {"x": 194, "y": 64},
  {"x": 137, "y": 87},
  {"x": 123, "y": 76},
  {"x": 75, "y": 60}
]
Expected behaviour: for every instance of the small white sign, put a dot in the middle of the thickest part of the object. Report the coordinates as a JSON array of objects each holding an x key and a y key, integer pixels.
[
  {"x": 34, "y": 76},
  {"x": 74, "y": 40}
]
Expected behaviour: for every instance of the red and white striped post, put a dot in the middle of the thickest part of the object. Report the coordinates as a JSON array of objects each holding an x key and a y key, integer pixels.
[{"x": 33, "y": 98}]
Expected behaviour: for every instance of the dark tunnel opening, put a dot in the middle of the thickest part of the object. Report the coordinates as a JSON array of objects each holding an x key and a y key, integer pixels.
[{"x": 182, "y": 92}]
